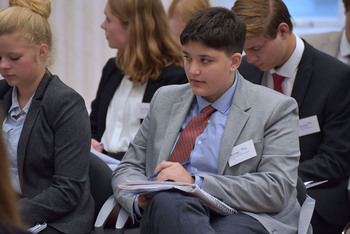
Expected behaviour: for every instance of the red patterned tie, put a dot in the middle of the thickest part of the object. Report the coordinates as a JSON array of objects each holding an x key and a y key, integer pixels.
[
  {"x": 193, "y": 129},
  {"x": 277, "y": 81}
]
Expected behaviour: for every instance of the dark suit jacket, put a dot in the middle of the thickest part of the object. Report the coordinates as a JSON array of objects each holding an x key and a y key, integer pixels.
[
  {"x": 322, "y": 88},
  {"x": 52, "y": 157},
  {"x": 110, "y": 80}
]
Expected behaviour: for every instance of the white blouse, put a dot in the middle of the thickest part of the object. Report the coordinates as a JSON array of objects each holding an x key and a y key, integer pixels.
[{"x": 123, "y": 116}]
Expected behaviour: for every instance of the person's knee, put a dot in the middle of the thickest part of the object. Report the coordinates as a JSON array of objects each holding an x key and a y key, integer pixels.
[{"x": 165, "y": 200}]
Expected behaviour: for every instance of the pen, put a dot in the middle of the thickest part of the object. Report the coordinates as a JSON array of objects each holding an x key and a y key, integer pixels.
[{"x": 156, "y": 174}]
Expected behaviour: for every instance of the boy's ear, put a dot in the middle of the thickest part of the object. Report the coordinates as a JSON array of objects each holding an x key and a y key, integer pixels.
[
  {"x": 283, "y": 30},
  {"x": 236, "y": 60}
]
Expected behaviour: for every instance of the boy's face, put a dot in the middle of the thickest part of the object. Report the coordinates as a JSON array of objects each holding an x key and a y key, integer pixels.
[
  {"x": 265, "y": 53},
  {"x": 210, "y": 72}
]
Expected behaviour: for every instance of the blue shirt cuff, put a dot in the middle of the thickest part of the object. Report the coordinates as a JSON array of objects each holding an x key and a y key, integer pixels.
[{"x": 198, "y": 181}]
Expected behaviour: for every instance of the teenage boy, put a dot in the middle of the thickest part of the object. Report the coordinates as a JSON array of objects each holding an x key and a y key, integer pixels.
[
  {"x": 247, "y": 156},
  {"x": 320, "y": 84}
]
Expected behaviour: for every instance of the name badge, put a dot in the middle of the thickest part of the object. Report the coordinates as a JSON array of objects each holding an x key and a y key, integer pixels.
[
  {"x": 144, "y": 108},
  {"x": 242, "y": 152},
  {"x": 308, "y": 126}
]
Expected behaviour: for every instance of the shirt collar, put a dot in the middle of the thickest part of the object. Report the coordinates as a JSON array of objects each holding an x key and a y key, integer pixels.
[
  {"x": 289, "y": 68},
  {"x": 224, "y": 102},
  {"x": 15, "y": 108},
  {"x": 344, "y": 46}
]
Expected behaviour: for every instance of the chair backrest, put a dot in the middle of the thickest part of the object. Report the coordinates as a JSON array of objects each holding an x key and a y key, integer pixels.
[
  {"x": 349, "y": 189},
  {"x": 100, "y": 175},
  {"x": 307, "y": 208},
  {"x": 301, "y": 189}
]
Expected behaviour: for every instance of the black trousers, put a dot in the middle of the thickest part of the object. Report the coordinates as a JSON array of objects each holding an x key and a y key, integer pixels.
[
  {"x": 321, "y": 226},
  {"x": 174, "y": 212}
]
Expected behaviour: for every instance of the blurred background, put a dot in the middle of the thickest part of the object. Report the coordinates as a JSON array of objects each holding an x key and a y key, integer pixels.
[{"x": 81, "y": 49}]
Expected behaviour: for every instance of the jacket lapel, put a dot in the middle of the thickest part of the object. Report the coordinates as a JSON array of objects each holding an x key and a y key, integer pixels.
[
  {"x": 29, "y": 122},
  {"x": 303, "y": 76},
  {"x": 235, "y": 122},
  {"x": 177, "y": 116},
  {"x": 6, "y": 96}
]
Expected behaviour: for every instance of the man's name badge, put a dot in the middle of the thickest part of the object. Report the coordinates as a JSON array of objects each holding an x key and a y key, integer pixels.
[
  {"x": 308, "y": 126},
  {"x": 242, "y": 152},
  {"x": 144, "y": 108}
]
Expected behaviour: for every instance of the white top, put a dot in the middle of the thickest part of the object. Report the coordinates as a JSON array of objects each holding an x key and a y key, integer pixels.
[
  {"x": 289, "y": 69},
  {"x": 123, "y": 116},
  {"x": 344, "y": 52}
]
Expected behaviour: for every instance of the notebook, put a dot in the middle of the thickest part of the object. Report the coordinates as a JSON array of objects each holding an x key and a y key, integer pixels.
[{"x": 133, "y": 188}]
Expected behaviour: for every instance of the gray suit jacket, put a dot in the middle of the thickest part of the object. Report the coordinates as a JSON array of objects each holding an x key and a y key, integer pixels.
[
  {"x": 263, "y": 186},
  {"x": 327, "y": 42},
  {"x": 53, "y": 152}
]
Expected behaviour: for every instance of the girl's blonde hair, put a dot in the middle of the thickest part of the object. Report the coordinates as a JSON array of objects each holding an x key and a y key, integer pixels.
[
  {"x": 184, "y": 10},
  {"x": 152, "y": 45},
  {"x": 29, "y": 18}
]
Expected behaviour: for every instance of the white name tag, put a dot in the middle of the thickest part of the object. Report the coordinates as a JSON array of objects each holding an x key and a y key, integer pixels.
[
  {"x": 308, "y": 126},
  {"x": 144, "y": 108},
  {"x": 242, "y": 152}
]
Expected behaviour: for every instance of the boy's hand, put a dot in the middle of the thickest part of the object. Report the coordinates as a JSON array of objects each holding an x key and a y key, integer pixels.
[
  {"x": 173, "y": 171},
  {"x": 143, "y": 201}
]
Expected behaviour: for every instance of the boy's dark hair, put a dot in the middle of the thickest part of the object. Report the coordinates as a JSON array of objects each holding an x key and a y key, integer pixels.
[{"x": 217, "y": 28}]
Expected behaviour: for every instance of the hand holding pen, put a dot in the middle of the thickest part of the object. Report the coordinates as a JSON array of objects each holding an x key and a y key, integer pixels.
[{"x": 172, "y": 171}]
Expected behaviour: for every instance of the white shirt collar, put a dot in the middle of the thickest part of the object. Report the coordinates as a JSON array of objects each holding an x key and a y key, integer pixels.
[{"x": 289, "y": 68}]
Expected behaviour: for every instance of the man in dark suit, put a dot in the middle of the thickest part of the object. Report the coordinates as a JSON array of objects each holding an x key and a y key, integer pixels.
[{"x": 320, "y": 84}]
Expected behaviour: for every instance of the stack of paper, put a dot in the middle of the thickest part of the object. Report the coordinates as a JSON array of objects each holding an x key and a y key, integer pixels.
[{"x": 149, "y": 187}]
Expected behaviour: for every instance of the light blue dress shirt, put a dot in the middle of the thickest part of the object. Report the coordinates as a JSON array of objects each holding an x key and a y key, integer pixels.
[
  {"x": 205, "y": 153},
  {"x": 12, "y": 129}
]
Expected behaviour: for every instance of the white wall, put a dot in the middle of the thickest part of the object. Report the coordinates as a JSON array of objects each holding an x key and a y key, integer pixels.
[{"x": 80, "y": 46}]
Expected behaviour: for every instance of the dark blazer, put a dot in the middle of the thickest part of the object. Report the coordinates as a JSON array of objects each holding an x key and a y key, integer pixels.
[
  {"x": 52, "y": 157},
  {"x": 322, "y": 88},
  {"x": 110, "y": 80}
]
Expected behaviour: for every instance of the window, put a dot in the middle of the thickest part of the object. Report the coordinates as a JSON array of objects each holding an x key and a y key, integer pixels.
[
  {"x": 309, "y": 16},
  {"x": 316, "y": 15}
]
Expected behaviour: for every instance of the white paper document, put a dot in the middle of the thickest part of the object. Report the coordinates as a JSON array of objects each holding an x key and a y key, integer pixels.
[
  {"x": 37, "y": 228},
  {"x": 310, "y": 184},
  {"x": 111, "y": 162},
  {"x": 149, "y": 187}
]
